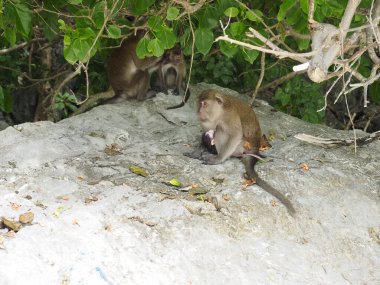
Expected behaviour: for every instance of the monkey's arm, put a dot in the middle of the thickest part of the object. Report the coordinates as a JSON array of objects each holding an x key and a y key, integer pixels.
[
  {"x": 161, "y": 77},
  {"x": 226, "y": 145}
]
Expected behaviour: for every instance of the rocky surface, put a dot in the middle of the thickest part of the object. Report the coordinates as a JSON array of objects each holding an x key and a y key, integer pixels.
[{"x": 97, "y": 222}]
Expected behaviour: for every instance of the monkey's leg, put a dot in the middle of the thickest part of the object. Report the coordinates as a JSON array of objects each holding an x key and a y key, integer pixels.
[
  {"x": 143, "y": 85},
  {"x": 226, "y": 145}
]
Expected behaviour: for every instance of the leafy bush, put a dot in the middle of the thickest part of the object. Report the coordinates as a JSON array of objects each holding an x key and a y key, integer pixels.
[
  {"x": 301, "y": 99},
  {"x": 88, "y": 29}
]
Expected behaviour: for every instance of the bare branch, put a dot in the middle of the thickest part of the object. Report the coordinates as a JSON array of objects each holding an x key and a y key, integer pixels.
[
  {"x": 290, "y": 32},
  {"x": 300, "y": 56},
  {"x": 93, "y": 100},
  {"x": 262, "y": 72},
  {"x": 310, "y": 15},
  {"x": 267, "y": 28},
  {"x": 270, "y": 44},
  {"x": 190, "y": 8},
  {"x": 328, "y": 41},
  {"x": 337, "y": 142},
  {"x": 373, "y": 31},
  {"x": 19, "y": 46}
]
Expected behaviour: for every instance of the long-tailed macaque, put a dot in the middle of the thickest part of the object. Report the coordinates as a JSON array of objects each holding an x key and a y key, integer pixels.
[
  {"x": 129, "y": 75},
  {"x": 172, "y": 71},
  {"x": 235, "y": 132},
  {"x": 172, "y": 74}
]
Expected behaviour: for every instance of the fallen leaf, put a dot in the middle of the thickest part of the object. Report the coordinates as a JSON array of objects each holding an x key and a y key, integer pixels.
[
  {"x": 81, "y": 177},
  {"x": 75, "y": 222},
  {"x": 143, "y": 221},
  {"x": 247, "y": 183},
  {"x": 66, "y": 197},
  {"x": 15, "y": 206},
  {"x": 305, "y": 166},
  {"x": 108, "y": 228},
  {"x": 26, "y": 218},
  {"x": 247, "y": 145},
  {"x": 218, "y": 180},
  {"x": 112, "y": 150},
  {"x": 262, "y": 148},
  {"x": 264, "y": 143},
  {"x": 212, "y": 200},
  {"x": 226, "y": 197},
  {"x": 58, "y": 211},
  {"x": 201, "y": 197},
  {"x": 185, "y": 189},
  {"x": 138, "y": 170},
  {"x": 12, "y": 225},
  {"x": 39, "y": 204},
  {"x": 198, "y": 190},
  {"x": 175, "y": 182},
  {"x": 90, "y": 199}
]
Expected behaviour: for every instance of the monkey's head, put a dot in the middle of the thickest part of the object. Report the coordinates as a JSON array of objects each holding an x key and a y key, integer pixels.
[
  {"x": 210, "y": 108},
  {"x": 173, "y": 55}
]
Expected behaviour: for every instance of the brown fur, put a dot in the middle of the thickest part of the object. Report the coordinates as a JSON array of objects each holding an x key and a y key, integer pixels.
[
  {"x": 129, "y": 75},
  {"x": 172, "y": 71},
  {"x": 237, "y": 134}
]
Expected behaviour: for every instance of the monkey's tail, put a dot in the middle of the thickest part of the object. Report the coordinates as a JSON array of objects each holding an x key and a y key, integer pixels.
[
  {"x": 185, "y": 98},
  {"x": 284, "y": 200}
]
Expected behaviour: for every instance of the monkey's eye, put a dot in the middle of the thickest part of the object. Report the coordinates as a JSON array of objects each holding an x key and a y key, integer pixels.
[{"x": 219, "y": 100}]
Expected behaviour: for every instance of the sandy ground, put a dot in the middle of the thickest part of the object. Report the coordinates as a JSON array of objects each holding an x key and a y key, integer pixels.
[{"x": 98, "y": 222}]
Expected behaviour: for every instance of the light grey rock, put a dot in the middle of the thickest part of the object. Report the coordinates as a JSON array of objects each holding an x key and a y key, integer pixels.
[{"x": 141, "y": 231}]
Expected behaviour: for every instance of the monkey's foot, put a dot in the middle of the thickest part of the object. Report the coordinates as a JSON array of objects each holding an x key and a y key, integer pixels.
[
  {"x": 210, "y": 159},
  {"x": 197, "y": 154}
]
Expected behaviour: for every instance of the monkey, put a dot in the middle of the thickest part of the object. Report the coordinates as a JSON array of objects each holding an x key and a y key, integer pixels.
[
  {"x": 170, "y": 81},
  {"x": 235, "y": 132},
  {"x": 172, "y": 71},
  {"x": 172, "y": 74},
  {"x": 129, "y": 75}
]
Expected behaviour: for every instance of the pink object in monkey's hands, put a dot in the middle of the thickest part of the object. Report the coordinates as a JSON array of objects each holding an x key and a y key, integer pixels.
[{"x": 210, "y": 134}]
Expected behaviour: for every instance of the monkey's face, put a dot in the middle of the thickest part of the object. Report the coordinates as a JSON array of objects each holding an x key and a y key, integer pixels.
[
  {"x": 175, "y": 58},
  {"x": 210, "y": 110}
]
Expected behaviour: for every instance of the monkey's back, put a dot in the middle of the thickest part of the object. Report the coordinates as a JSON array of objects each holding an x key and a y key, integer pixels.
[
  {"x": 120, "y": 65},
  {"x": 249, "y": 122}
]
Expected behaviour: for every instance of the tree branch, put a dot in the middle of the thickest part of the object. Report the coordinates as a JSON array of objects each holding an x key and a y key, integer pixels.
[
  {"x": 338, "y": 142},
  {"x": 281, "y": 54},
  {"x": 262, "y": 72},
  {"x": 19, "y": 46}
]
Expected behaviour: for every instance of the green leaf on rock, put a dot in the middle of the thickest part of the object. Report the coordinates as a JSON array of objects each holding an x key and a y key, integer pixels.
[{"x": 138, "y": 170}]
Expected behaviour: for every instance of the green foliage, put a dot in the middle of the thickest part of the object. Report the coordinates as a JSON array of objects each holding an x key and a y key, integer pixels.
[
  {"x": 65, "y": 102},
  {"x": 217, "y": 69},
  {"x": 5, "y": 101},
  {"x": 88, "y": 28},
  {"x": 301, "y": 99},
  {"x": 172, "y": 13},
  {"x": 374, "y": 92}
]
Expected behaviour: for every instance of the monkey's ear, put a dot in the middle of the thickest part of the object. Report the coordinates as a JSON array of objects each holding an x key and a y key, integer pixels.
[{"x": 219, "y": 99}]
